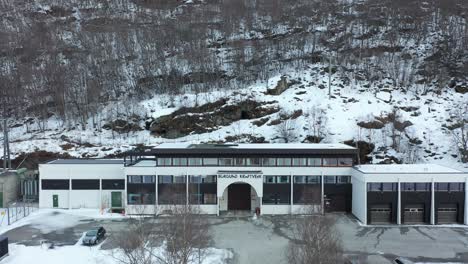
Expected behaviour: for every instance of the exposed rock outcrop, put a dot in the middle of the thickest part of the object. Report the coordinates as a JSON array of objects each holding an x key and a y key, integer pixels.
[{"x": 208, "y": 117}]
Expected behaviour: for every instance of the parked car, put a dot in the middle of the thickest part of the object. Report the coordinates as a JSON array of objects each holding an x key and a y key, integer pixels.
[
  {"x": 93, "y": 236},
  {"x": 402, "y": 261}
]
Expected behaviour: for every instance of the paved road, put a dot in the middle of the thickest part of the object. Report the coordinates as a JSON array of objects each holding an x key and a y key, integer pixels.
[{"x": 265, "y": 240}]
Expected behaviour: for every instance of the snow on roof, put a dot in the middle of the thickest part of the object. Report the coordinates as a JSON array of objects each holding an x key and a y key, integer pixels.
[
  {"x": 405, "y": 168},
  {"x": 255, "y": 146},
  {"x": 86, "y": 161}
]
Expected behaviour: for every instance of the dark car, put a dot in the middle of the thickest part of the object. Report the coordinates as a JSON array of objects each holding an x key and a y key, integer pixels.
[{"x": 93, "y": 236}]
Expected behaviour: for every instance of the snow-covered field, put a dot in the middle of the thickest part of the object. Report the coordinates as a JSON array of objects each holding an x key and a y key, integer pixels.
[
  {"x": 79, "y": 254},
  {"x": 50, "y": 220}
]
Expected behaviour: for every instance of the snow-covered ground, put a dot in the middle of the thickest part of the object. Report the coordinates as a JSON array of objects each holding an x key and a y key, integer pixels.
[
  {"x": 50, "y": 220},
  {"x": 78, "y": 254},
  {"x": 61, "y": 219}
]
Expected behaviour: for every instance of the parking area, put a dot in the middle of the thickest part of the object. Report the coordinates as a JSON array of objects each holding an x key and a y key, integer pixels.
[{"x": 265, "y": 240}]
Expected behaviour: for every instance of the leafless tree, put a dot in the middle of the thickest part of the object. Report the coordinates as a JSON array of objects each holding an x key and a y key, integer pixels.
[
  {"x": 317, "y": 119},
  {"x": 460, "y": 130},
  {"x": 186, "y": 235},
  {"x": 315, "y": 240},
  {"x": 287, "y": 129}
]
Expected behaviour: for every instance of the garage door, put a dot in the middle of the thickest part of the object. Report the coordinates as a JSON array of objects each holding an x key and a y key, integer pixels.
[
  {"x": 381, "y": 214},
  {"x": 447, "y": 214},
  {"x": 414, "y": 214}
]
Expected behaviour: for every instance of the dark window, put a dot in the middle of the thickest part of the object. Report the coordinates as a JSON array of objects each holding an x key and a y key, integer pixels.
[
  {"x": 299, "y": 162},
  {"x": 314, "y": 162},
  {"x": 343, "y": 179},
  {"x": 450, "y": 187},
  {"x": 307, "y": 190},
  {"x": 415, "y": 187},
  {"x": 329, "y": 179},
  {"x": 269, "y": 162},
  {"x": 165, "y": 179},
  {"x": 279, "y": 193},
  {"x": 179, "y": 161},
  {"x": 113, "y": 184},
  {"x": 210, "y": 161},
  {"x": 172, "y": 189},
  {"x": 202, "y": 189},
  {"x": 382, "y": 187},
  {"x": 253, "y": 162},
  {"x": 284, "y": 162},
  {"x": 135, "y": 178},
  {"x": 345, "y": 162},
  {"x": 239, "y": 161},
  {"x": 269, "y": 179},
  {"x": 194, "y": 161},
  {"x": 330, "y": 162},
  {"x": 55, "y": 184},
  {"x": 164, "y": 162},
  {"x": 226, "y": 162},
  {"x": 85, "y": 184}
]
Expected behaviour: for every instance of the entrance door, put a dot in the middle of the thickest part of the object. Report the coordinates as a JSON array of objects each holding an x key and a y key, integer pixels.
[
  {"x": 381, "y": 214},
  {"x": 447, "y": 214},
  {"x": 55, "y": 201},
  {"x": 239, "y": 197},
  {"x": 414, "y": 214},
  {"x": 116, "y": 200}
]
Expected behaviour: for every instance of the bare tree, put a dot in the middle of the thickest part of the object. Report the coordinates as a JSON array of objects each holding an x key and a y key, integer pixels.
[
  {"x": 317, "y": 123},
  {"x": 315, "y": 240},
  {"x": 287, "y": 129},
  {"x": 186, "y": 235},
  {"x": 460, "y": 130}
]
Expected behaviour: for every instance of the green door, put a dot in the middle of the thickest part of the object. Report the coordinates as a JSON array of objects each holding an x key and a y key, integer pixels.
[
  {"x": 55, "y": 200},
  {"x": 116, "y": 200},
  {"x": 1, "y": 199}
]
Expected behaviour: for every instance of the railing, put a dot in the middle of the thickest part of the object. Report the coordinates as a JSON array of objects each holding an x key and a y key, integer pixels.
[{"x": 19, "y": 210}]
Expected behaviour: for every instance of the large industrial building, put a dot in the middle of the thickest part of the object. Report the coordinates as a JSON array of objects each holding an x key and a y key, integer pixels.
[{"x": 267, "y": 178}]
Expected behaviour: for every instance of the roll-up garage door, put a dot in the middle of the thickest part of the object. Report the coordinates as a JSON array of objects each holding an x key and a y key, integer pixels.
[
  {"x": 447, "y": 214},
  {"x": 414, "y": 214},
  {"x": 381, "y": 214}
]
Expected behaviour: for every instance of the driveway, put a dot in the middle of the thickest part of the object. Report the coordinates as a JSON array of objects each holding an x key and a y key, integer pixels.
[{"x": 265, "y": 240}]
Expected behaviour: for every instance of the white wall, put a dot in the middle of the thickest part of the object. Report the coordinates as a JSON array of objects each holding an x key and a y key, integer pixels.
[
  {"x": 45, "y": 198},
  {"x": 85, "y": 199},
  {"x": 278, "y": 209},
  {"x": 359, "y": 203},
  {"x": 77, "y": 198}
]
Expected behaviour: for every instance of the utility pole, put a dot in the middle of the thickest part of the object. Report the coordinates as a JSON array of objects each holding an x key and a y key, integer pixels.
[
  {"x": 6, "y": 147},
  {"x": 329, "y": 75}
]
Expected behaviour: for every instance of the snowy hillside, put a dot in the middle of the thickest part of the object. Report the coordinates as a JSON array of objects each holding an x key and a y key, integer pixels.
[{"x": 349, "y": 105}]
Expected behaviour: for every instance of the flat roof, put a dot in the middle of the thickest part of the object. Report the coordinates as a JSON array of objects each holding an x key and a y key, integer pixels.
[
  {"x": 246, "y": 149},
  {"x": 87, "y": 161},
  {"x": 405, "y": 169}
]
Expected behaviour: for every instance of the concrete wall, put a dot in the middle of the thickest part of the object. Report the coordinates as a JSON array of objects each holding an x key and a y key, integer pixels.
[
  {"x": 45, "y": 198},
  {"x": 277, "y": 209},
  {"x": 359, "y": 199},
  {"x": 77, "y": 198},
  {"x": 84, "y": 199},
  {"x": 10, "y": 183}
]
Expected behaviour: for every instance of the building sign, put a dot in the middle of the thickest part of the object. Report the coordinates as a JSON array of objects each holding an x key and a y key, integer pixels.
[{"x": 239, "y": 176}]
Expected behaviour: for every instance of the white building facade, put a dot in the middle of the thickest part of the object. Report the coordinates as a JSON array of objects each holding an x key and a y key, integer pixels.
[{"x": 263, "y": 178}]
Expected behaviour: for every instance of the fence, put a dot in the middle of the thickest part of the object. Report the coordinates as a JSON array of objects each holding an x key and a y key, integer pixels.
[{"x": 18, "y": 210}]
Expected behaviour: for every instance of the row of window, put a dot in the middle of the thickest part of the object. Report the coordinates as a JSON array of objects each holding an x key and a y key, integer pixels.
[
  {"x": 82, "y": 184},
  {"x": 307, "y": 179},
  {"x": 257, "y": 162},
  {"x": 416, "y": 187}
]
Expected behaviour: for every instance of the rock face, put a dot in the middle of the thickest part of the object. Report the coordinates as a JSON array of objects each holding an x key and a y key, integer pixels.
[
  {"x": 208, "y": 117},
  {"x": 365, "y": 148},
  {"x": 280, "y": 87}
]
